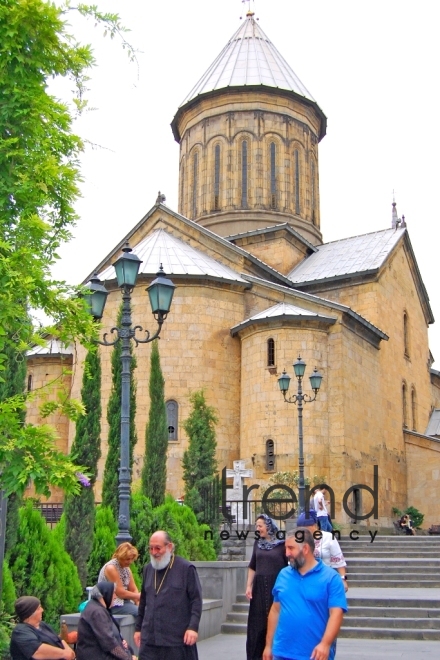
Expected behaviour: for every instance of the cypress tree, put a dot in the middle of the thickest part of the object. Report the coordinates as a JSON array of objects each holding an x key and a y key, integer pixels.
[
  {"x": 199, "y": 462},
  {"x": 40, "y": 566},
  {"x": 154, "y": 472},
  {"x": 86, "y": 450},
  {"x": 111, "y": 471},
  {"x": 14, "y": 383}
]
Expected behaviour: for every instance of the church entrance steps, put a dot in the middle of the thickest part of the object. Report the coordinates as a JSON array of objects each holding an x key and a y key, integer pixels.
[{"x": 369, "y": 618}]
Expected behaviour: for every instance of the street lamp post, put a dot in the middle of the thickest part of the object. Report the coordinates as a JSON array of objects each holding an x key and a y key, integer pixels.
[
  {"x": 299, "y": 398},
  {"x": 160, "y": 292}
]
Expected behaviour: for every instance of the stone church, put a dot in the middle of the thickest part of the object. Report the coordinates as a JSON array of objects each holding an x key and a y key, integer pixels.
[{"x": 257, "y": 286}]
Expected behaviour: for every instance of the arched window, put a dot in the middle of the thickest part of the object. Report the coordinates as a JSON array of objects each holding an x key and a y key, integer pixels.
[
  {"x": 244, "y": 174},
  {"x": 172, "y": 419},
  {"x": 312, "y": 190},
  {"x": 270, "y": 352},
  {"x": 270, "y": 456},
  {"x": 195, "y": 184},
  {"x": 404, "y": 406},
  {"x": 406, "y": 334},
  {"x": 29, "y": 383},
  {"x": 297, "y": 181},
  {"x": 273, "y": 179},
  {"x": 414, "y": 409},
  {"x": 182, "y": 187},
  {"x": 217, "y": 178}
]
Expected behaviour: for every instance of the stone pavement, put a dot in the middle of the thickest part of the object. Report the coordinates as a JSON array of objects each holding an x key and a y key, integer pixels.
[{"x": 233, "y": 647}]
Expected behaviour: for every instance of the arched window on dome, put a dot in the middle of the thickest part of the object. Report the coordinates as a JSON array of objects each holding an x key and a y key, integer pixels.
[
  {"x": 297, "y": 181},
  {"x": 172, "y": 409},
  {"x": 404, "y": 406},
  {"x": 195, "y": 184},
  {"x": 273, "y": 178},
  {"x": 312, "y": 191},
  {"x": 182, "y": 187},
  {"x": 244, "y": 174},
  {"x": 270, "y": 352},
  {"x": 414, "y": 409},
  {"x": 270, "y": 456},
  {"x": 217, "y": 177}
]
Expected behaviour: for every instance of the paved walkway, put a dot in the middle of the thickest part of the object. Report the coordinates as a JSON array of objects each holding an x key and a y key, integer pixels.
[{"x": 233, "y": 647}]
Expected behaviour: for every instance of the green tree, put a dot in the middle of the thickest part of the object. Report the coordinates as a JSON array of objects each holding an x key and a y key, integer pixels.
[
  {"x": 86, "y": 450},
  {"x": 40, "y": 566},
  {"x": 111, "y": 471},
  {"x": 154, "y": 472},
  {"x": 199, "y": 462},
  {"x": 104, "y": 543},
  {"x": 13, "y": 384},
  {"x": 39, "y": 176}
]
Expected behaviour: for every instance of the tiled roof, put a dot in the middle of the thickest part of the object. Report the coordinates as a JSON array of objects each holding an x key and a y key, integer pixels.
[
  {"x": 434, "y": 423},
  {"x": 347, "y": 256},
  {"x": 177, "y": 258},
  {"x": 282, "y": 310},
  {"x": 52, "y": 347},
  {"x": 249, "y": 58}
]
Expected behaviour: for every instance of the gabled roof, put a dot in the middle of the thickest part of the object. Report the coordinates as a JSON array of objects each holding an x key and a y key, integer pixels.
[
  {"x": 271, "y": 229},
  {"x": 53, "y": 347},
  {"x": 283, "y": 311},
  {"x": 434, "y": 423},
  {"x": 249, "y": 58},
  {"x": 359, "y": 255},
  {"x": 177, "y": 258},
  {"x": 348, "y": 256}
]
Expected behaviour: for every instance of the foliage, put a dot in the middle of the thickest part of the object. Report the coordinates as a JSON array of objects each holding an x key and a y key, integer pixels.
[
  {"x": 59, "y": 531},
  {"x": 413, "y": 513},
  {"x": 141, "y": 526},
  {"x": 104, "y": 543},
  {"x": 8, "y": 594},
  {"x": 154, "y": 471},
  {"x": 179, "y": 521},
  {"x": 41, "y": 567},
  {"x": 111, "y": 471},
  {"x": 39, "y": 177},
  {"x": 86, "y": 449},
  {"x": 6, "y": 626},
  {"x": 199, "y": 463}
]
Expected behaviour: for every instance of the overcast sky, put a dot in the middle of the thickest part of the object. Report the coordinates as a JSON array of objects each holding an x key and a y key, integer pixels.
[{"x": 372, "y": 68}]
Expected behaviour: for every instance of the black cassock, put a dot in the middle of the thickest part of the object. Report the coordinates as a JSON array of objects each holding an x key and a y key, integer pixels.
[{"x": 170, "y": 604}]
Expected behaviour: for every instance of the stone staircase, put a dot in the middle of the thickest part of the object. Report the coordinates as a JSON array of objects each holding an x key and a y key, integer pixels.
[{"x": 395, "y": 566}]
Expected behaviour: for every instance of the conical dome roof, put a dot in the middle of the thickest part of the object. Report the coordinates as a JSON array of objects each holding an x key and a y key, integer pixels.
[{"x": 249, "y": 58}]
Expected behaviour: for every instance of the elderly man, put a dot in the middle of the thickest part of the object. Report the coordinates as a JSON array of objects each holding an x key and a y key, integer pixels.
[
  {"x": 309, "y": 604},
  {"x": 170, "y": 606}
]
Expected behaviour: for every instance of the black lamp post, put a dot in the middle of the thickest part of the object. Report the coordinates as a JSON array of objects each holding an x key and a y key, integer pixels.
[
  {"x": 160, "y": 292},
  {"x": 299, "y": 368}
]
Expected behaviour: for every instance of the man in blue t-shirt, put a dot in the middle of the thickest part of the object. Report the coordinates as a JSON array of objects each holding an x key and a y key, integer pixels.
[{"x": 309, "y": 605}]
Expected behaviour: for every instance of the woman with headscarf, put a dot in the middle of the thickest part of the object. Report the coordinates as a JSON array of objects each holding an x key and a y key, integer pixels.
[
  {"x": 268, "y": 558},
  {"x": 32, "y": 638},
  {"x": 98, "y": 632}
]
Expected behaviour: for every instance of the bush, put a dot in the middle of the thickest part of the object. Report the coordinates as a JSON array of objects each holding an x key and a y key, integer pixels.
[
  {"x": 141, "y": 527},
  {"x": 413, "y": 513},
  {"x": 104, "y": 543},
  {"x": 8, "y": 594},
  {"x": 41, "y": 567},
  {"x": 6, "y": 626}
]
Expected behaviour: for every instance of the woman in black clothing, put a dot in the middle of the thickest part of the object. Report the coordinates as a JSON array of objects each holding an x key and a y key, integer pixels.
[
  {"x": 32, "y": 637},
  {"x": 268, "y": 558},
  {"x": 98, "y": 632}
]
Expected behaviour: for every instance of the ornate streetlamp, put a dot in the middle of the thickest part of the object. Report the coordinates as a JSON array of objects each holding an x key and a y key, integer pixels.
[
  {"x": 299, "y": 368},
  {"x": 160, "y": 292}
]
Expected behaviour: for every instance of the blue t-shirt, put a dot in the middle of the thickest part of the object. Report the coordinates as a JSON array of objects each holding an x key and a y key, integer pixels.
[{"x": 305, "y": 602}]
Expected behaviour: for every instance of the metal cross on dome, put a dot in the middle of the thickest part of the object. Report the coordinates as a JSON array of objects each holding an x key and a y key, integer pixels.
[{"x": 248, "y": 3}]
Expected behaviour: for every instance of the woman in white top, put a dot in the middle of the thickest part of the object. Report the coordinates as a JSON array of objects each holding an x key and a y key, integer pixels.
[
  {"x": 327, "y": 548},
  {"x": 117, "y": 570}
]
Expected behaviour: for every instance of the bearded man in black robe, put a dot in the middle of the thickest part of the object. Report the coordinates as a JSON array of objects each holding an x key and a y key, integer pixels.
[{"x": 170, "y": 605}]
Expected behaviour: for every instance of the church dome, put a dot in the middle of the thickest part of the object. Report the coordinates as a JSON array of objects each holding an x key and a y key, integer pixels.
[{"x": 248, "y": 134}]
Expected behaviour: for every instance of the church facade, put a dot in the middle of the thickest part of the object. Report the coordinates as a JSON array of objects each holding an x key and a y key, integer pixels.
[{"x": 257, "y": 286}]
